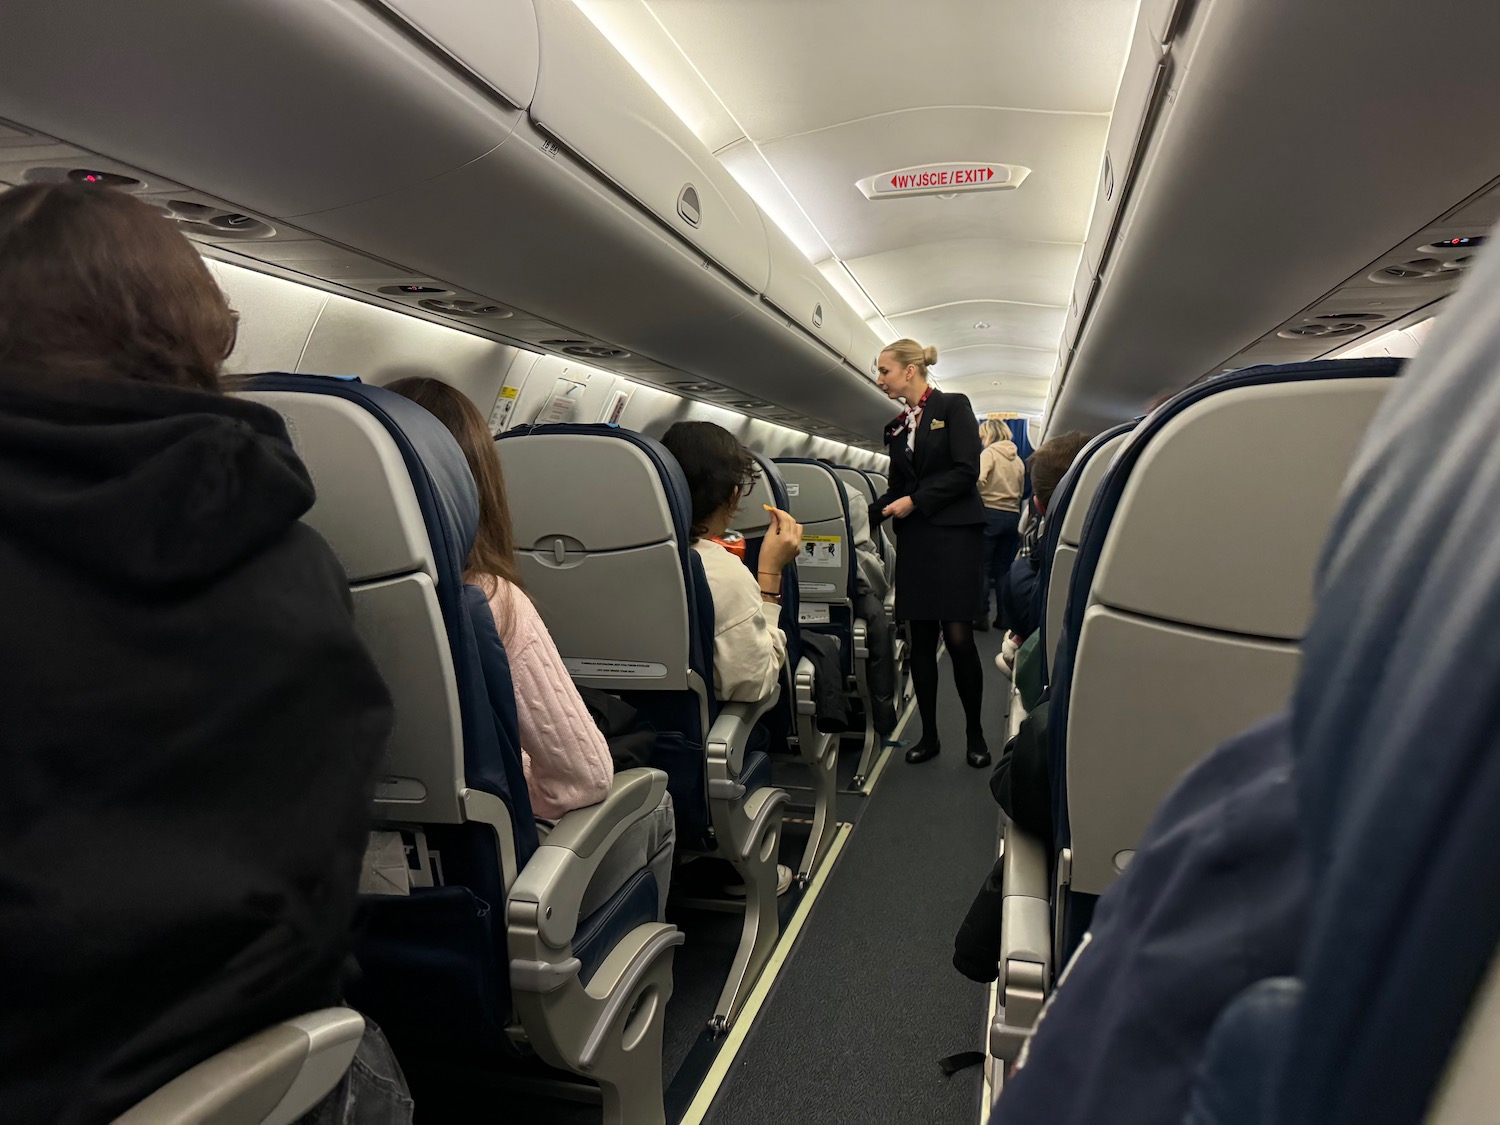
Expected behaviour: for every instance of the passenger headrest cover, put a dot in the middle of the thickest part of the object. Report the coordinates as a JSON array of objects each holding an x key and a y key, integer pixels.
[
  {"x": 1088, "y": 471},
  {"x": 1220, "y": 524},
  {"x": 595, "y": 495},
  {"x": 820, "y": 494},
  {"x": 367, "y": 507},
  {"x": 1397, "y": 737}
]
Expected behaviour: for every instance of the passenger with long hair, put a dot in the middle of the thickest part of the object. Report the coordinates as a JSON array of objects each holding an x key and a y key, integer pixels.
[
  {"x": 193, "y": 728},
  {"x": 567, "y": 760}
]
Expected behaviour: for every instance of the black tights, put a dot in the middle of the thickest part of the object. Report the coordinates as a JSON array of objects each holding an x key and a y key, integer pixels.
[{"x": 968, "y": 676}]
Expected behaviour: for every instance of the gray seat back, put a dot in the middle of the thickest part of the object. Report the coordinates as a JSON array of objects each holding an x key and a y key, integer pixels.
[
  {"x": 368, "y": 512},
  {"x": 600, "y": 555},
  {"x": 1090, "y": 473},
  {"x": 825, "y": 569},
  {"x": 1201, "y": 589},
  {"x": 859, "y": 482}
]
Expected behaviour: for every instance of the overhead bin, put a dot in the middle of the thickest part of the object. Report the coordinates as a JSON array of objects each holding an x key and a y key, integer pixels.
[
  {"x": 797, "y": 290},
  {"x": 287, "y": 107},
  {"x": 495, "y": 40},
  {"x": 333, "y": 119},
  {"x": 1145, "y": 74},
  {"x": 1160, "y": 17},
  {"x": 570, "y": 250},
  {"x": 594, "y": 103}
]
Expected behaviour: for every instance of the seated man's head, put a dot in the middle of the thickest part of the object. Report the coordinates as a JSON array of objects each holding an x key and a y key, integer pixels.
[
  {"x": 1048, "y": 465},
  {"x": 719, "y": 471}
]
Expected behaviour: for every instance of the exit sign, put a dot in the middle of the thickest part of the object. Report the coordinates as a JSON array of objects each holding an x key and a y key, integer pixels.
[{"x": 944, "y": 179}]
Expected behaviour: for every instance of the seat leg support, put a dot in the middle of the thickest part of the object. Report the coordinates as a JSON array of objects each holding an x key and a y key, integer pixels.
[{"x": 749, "y": 837}]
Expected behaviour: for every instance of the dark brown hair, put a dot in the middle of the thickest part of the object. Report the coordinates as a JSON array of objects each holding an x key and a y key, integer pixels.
[
  {"x": 95, "y": 283},
  {"x": 715, "y": 464},
  {"x": 1051, "y": 461},
  {"x": 494, "y": 552}
]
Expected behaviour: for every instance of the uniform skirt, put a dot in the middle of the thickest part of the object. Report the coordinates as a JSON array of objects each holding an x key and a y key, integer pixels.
[{"x": 939, "y": 570}]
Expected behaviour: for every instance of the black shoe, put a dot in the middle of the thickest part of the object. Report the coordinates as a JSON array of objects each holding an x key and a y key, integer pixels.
[
  {"x": 999, "y": 624},
  {"x": 923, "y": 751},
  {"x": 979, "y": 753},
  {"x": 982, "y": 625}
]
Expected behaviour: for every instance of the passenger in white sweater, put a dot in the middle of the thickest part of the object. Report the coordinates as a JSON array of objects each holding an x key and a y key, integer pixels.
[
  {"x": 749, "y": 646},
  {"x": 565, "y": 755}
]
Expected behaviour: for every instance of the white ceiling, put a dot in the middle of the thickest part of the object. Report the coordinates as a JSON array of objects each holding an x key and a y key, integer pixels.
[{"x": 800, "y": 99}]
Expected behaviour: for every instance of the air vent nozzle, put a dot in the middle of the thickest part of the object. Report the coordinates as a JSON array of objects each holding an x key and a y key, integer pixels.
[
  {"x": 469, "y": 310},
  {"x": 208, "y": 221},
  {"x": 1422, "y": 271},
  {"x": 1329, "y": 330}
]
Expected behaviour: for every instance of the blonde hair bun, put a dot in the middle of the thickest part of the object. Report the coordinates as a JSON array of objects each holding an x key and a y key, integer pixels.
[{"x": 909, "y": 353}]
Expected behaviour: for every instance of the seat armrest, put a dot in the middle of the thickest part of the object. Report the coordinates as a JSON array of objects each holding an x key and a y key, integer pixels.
[
  {"x": 632, "y": 794},
  {"x": 550, "y": 888},
  {"x": 274, "y": 1077},
  {"x": 730, "y": 735},
  {"x": 1025, "y": 865},
  {"x": 861, "y": 639}
]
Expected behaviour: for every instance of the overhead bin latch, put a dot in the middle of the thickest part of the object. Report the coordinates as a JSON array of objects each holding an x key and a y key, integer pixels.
[
  {"x": 817, "y": 316},
  {"x": 688, "y": 207}
]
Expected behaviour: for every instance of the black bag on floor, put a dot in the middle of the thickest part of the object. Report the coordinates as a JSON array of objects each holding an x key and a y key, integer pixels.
[
  {"x": 976, "y": 947},
  {"x": 830, "y": 699},
  {"x": 631, "y": 739}
]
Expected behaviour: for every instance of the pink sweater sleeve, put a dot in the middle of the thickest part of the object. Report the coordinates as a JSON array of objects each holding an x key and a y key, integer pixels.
[{"x": 566, "y": 757}]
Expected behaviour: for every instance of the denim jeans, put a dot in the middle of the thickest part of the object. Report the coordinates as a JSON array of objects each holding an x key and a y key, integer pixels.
[
  {"x": 1002, "y": 538},
  {"x": 372, "y": 1092}
]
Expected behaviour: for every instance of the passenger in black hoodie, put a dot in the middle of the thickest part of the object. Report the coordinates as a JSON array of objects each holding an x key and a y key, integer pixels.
[{"x": 190, "y": 728}]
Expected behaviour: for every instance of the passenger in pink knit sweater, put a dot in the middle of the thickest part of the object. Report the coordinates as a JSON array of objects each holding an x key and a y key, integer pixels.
[{"x": 566, "y": 757}]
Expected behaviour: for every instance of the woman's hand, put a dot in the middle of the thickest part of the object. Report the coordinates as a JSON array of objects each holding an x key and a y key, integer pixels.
[
  {"x": 783, "y": 542},
  {"x": 901, "y": 508}
]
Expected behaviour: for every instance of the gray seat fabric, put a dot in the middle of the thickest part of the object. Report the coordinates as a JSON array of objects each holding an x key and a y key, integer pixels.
[
  {"x": 1201, "y": 592},
  {"x": 1090, "y": 473}
]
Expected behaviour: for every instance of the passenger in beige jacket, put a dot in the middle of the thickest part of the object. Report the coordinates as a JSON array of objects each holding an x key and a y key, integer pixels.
[{"x": 1002, "y": 478}]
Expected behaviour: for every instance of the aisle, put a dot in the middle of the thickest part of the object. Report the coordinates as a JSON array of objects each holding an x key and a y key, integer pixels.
[{"x": 869, "y": 1000}]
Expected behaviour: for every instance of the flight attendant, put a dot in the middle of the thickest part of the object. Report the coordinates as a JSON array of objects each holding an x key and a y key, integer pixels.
[{"x": 939, "y": 519}]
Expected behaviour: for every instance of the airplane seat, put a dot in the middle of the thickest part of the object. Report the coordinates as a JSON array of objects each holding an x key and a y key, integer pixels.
[
  {"x": 827, "y": 576},
  {"x": 1026, "y": 942},
  {"x": 604, "y": 543},
  {"x": 481, "y": 946},
  {"x": 272, "y": 1078},
  {"x": 795, "y": 718},
  {"x": 1189, "y": 597},
  {"x": 1070, "y": 508}
]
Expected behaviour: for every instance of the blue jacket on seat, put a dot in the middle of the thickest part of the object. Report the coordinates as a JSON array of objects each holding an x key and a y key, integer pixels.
[{"x": 1215, "y": 900}]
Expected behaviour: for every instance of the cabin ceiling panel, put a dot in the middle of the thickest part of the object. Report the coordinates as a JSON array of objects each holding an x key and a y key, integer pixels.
[
  {"x": 789, "y": 66},
  {"x": 1025, "y": 326},
  {"x": 995, "y": 359},
  {"x": 929, "y": 274},
  {"x": 1053, "y": 205}
]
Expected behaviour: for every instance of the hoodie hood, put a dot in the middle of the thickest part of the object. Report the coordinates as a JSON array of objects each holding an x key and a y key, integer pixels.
[
  {"x": 153, "y": 486},
  {"x": 1005, "y": 449}
]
